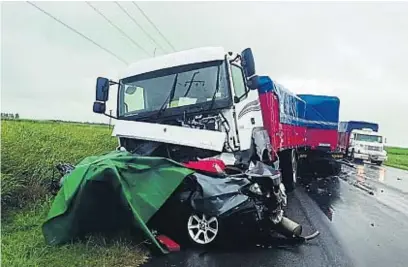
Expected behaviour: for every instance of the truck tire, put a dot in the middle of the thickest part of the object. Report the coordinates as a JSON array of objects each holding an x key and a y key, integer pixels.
[
  {"x": 378, "y": 163},
  {"x": 289, "y": 170},
  {"x": 336, "y": 168}
]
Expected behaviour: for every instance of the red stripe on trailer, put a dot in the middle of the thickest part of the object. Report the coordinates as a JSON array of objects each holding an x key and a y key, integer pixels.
[
  {"x": 319, "y": 137},
  {"x": 270, "y": 115},
  {"x": 282, "y": 135}
]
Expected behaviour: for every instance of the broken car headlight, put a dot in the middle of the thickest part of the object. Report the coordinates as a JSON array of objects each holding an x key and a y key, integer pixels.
[{"x": 256, "y": 189}]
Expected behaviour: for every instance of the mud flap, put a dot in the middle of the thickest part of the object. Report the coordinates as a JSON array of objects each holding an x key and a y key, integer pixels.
[{"x": 318, "y": 165}]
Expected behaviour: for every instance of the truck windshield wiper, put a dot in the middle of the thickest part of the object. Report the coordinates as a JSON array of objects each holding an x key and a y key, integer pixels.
[
  {"x": 217, "y": 87},
  {"x": 169, "y": 98}
]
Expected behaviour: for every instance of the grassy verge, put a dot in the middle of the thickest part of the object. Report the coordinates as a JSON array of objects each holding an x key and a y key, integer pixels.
[
  {"x": 23, "y": 245},
  {"x": 29, "y": 151},
  {"x": 397, "y": 157}
]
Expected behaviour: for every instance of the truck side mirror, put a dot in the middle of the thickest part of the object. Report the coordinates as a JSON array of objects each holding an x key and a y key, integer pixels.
[
  {"x": 253, "y": 82},
  {"x": 99, "y": 107},
  {"x": 102, "y": 89},
  {"x": 385, "y": 140},
  {"x": 248, "y": 62}
]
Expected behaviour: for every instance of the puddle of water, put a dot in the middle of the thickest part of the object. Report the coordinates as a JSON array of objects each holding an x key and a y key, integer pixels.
[{"x": 325, "y": 192}]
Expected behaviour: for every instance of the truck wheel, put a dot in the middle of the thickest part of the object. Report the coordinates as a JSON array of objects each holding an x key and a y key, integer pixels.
[
  {"x": 289, "y": 170},
  {"x": 352, "y": 159},
  {"x": 336, "y": 167}
]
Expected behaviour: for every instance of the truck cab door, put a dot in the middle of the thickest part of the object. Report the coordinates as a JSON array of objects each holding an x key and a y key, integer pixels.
[{"x": 247, "y": 107}]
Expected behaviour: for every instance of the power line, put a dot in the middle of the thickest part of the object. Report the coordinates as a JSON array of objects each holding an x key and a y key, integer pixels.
[
  {"x": 77, "y": 32},
  {"x": 117, "y": 28},
  {"x": 145, "y": 32},
  {"x": 151, "y": 22}
]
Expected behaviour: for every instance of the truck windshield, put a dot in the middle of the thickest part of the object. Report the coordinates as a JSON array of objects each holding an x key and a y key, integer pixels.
[
  {"x": 369, "y": 138},
  {"x": 173, "y": 88}
]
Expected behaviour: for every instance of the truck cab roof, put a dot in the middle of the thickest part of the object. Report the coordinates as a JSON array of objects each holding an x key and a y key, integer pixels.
[
  {"x": 366, "y": 131},
  {"x": 181, "y": 58}
]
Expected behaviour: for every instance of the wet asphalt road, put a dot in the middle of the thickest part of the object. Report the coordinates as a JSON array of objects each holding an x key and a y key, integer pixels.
[{"x": 362, "y": 218}]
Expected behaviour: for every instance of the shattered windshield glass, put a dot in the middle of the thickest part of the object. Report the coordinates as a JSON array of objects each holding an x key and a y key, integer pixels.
[
  {"x": 369, "y": 138},
  {"x": 172, "y": 88}
]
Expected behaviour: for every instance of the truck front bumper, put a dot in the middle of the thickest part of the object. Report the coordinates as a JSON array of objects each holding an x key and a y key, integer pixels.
[
  {"x": 378, "y": 158},
  {"x": 370, "y": 157},
  {"x": 361, "y": 156}
]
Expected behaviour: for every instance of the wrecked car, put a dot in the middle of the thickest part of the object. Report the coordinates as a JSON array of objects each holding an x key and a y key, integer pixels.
[{"x": 170, "y": 203}]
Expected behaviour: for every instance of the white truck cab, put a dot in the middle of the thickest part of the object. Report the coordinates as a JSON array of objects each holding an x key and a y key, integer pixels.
[
  {"x": 203, "y": 98},
  {"x": 366, "y": 144}
]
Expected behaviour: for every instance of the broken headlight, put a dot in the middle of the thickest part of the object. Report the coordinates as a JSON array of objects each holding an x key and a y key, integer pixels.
[{"x": 256, "y": 189}]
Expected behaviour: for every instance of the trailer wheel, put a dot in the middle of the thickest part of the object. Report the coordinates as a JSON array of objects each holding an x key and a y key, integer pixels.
[
  {"x": 289, "y": 171},
  {"x": 352, "y": 159}
]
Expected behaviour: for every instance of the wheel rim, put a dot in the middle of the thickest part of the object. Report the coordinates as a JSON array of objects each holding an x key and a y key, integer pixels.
[{"x": 202, "y": 230}]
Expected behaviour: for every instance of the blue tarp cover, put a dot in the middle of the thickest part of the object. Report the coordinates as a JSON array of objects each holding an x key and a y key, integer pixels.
[
  {"x": 348, "y": 126},
  {"x": 322, "y": 111},
  {"x": 291, "y": 107},
  {"x": 312, "y": 111}
]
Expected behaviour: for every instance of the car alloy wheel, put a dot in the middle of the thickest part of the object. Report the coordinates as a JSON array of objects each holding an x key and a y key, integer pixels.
[{"x": 202, "y": 230}]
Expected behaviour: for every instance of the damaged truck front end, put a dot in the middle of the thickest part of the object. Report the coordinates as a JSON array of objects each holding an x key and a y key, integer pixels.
[{"x": 200, "y": 108}]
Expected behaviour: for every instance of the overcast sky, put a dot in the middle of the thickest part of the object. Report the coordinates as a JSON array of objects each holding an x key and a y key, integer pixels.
[{"x": 356, "y": 51}]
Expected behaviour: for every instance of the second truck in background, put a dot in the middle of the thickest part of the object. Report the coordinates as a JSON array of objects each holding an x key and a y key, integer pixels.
[{"x": 360, "y": 140}]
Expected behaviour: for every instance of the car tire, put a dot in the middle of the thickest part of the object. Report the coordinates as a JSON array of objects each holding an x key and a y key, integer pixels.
[{"x": 202, "y": 230}]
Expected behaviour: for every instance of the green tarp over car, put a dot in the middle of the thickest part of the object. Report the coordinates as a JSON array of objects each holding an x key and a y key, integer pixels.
[{"x": 110, "y": 191}]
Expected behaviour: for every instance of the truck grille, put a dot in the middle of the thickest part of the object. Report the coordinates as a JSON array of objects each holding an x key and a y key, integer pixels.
[{"x": 374, "y": 148}]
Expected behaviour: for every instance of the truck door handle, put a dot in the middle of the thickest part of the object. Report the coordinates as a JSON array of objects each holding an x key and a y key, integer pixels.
[{"x": 253, "y": 120}]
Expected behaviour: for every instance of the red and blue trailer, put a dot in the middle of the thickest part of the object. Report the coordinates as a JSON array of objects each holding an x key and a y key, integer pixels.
[
  {"x": 283, "y": 116},
  {"x": 303, "y": 130},
  {"x": 321, "y": 121}
]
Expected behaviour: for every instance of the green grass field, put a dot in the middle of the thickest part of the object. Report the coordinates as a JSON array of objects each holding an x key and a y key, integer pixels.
[
  {"x": 29, "y": 152},
  {"x": 397, "y": 157}
]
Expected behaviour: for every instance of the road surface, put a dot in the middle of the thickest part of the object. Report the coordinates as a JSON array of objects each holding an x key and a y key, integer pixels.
[{"x": 362, "y": 217}]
